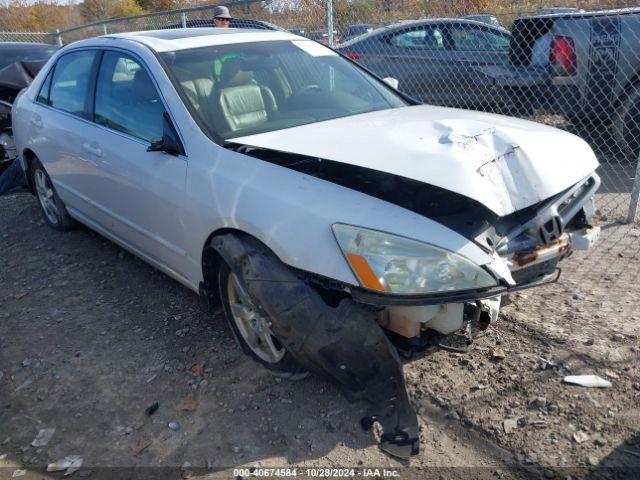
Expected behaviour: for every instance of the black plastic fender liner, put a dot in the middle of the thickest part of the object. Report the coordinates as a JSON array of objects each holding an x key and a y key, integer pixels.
[{"x": 344, "y": 343}]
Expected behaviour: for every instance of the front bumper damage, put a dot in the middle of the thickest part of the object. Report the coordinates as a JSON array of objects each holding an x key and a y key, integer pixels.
[
  {"x": 338, "y": 340},
  {"x": 344, "y": 333}
]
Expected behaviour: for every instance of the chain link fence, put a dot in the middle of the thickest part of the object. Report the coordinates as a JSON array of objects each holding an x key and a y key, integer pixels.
[{"x": 573, "y": 65}]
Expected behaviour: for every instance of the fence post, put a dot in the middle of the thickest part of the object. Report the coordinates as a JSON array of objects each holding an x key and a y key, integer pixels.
[
  {"x": 330, "y": 22},
  {"x": 183, "y": 19},
  {"x": 104, "y": 28},
  {"x": 58, "y": 37},
  {"x": 635, "y": 193}
]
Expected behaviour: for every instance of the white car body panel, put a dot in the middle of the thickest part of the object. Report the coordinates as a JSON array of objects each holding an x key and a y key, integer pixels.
[
  {"x": 504, "y": 163},
  {"x": 215, "y": 188}
]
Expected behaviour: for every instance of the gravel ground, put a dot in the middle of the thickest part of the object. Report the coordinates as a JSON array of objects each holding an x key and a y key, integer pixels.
[{"x": 90, "y": 336}]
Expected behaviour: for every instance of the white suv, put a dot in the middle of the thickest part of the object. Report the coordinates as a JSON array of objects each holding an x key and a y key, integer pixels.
[{"x": 323, "y": 209}]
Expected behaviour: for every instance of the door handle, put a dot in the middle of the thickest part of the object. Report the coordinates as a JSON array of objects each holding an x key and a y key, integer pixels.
[
  {"x": 36, "y": 122},
  {"x": 94, "y": 150}
]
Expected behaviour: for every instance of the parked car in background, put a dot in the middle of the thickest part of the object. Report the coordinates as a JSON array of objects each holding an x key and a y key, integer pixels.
[
  {"x": 298, "y": 31},
  {"x": 587, "y": 65},
  {"x": 440, "y": 61},
  {"x": 357, "y": 29},
  {"x": 11, "y": 52},
  {"x": 558, "y": 10},
  {"x": 324, "y": 210},
  {"x": 322, "y": 35},
  {"x": 486, "y": 18}
]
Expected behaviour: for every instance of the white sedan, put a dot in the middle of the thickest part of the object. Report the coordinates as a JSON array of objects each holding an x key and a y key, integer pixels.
[{"x": 325, "y": 211}]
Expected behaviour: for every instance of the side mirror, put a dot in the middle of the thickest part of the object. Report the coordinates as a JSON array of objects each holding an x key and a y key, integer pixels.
[
  {"x": 170, "y": 142},
  {"x": 392, "y": 82}
]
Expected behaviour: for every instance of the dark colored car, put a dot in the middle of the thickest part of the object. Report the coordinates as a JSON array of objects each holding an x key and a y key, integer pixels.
[
  {"x": 452, "y": 62},
  {"x": 485, "y": 18},
  {"x": 358, "y": 29},
  {"x": 322, "y": 36},
  {"x": 11, "y": 52},
  {"x": 13, "y": 77},
  {"x": 298, "y": 31}
]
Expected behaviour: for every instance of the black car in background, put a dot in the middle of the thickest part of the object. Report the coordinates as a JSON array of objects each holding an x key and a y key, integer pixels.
[{"x": 451, "y": 62}]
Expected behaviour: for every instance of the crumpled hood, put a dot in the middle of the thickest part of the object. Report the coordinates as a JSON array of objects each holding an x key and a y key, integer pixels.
[{"x": 504, "y": 163}]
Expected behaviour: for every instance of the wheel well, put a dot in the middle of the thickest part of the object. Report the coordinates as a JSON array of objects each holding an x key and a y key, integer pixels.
[
  {"x": 211, "y": 261},
  {"x": 633, "y": 83},
  {"x": 29, "y": 157}
]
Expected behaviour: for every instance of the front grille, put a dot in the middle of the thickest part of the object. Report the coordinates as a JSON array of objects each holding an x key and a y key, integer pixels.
[{"x": 534, "y": 272}]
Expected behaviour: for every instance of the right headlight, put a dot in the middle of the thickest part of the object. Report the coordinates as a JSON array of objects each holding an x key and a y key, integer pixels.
[{"x": 392, "y": 264}]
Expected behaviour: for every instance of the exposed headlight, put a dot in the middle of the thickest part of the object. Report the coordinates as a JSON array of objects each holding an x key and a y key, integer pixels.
[{"x": 391, "y": 264}]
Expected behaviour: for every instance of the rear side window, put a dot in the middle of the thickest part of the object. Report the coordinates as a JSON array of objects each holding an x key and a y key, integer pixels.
[
  {"x": 424, "y": 37},
  {"x": 127, "y": 99},
  {"x": 70, "y": 82},
  {"x": 472, "y": 39}
]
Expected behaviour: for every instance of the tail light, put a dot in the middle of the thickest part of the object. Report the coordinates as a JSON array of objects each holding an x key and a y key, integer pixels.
[
  {"x": 562, "y": 57},
  {"x": 352, "y": 56}
]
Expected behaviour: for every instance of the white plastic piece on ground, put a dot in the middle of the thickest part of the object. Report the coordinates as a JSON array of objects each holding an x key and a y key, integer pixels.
[
  {"x": 584, "y": 239},
  {"x": 591, "y": 381},
  {"x": 71, "y": 464},
  {"x": 43, "y": 437}
]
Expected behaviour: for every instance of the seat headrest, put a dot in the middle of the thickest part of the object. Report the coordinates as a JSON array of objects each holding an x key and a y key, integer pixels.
[
  {"x": 233, "y": 73},
  {"x": 143, "y": 87}
]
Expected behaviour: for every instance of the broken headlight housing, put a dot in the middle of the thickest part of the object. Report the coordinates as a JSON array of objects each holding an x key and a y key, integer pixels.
[{"x": 397, "y": 265}]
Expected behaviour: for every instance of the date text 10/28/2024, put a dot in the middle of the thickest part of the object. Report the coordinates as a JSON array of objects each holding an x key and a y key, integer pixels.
[{"x": 316, "y": 472}]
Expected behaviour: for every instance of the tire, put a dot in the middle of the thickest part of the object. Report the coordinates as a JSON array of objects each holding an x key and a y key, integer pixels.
[
  {"x": 257, "y": 342},
  {"x": 53, "y": 209},
  {"x": 626, "y": 121}
]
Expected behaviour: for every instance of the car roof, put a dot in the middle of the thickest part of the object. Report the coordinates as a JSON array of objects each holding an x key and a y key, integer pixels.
[{"x": 186, "y": 38}]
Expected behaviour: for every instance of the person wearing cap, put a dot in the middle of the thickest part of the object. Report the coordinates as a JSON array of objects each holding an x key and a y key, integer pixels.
[{"x": 221, "y": 17}]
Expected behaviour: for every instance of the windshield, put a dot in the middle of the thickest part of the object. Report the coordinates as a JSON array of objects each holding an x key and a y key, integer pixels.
[{"x": 249, "y": 88}]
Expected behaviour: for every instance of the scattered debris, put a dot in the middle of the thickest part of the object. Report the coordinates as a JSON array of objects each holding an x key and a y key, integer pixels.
[
  {"x": 497, "y": 353},
  {"x": 452, "y": 415},
  {"x": 71, "y": 464},
  {"x": 198, "y": 369},
  {"x": 139, "y": 446},
  {"x": 580, "y": 437},
  {"x": 153, "y": 408},
  {"x": 593, "y": 460},
  {"x": 175, "y": 426},
  {"x": 21, "y": 295},
  {"x": 24, "y": 385},
  {"x": 509, "y": 425},
  {"x": 187, "y": 405},
  {"x": 43, "y": 437},
  {"x": 538, "y": 403},
  {"x": 587, "y": 381},
  {"x": 18, "y": 473}
]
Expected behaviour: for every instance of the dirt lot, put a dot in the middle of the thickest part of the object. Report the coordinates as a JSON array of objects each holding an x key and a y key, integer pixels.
[{"x": 90, "y": 336}]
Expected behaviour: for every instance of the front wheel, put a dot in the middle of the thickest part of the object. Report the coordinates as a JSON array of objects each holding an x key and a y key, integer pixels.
[{"x": 252, "y": 329}]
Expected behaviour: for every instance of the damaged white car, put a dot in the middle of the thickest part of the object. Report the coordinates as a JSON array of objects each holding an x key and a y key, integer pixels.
[{"x": 324, "y": 210}]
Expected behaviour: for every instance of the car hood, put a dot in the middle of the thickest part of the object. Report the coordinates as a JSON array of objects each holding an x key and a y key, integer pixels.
[{"x": 504, "y": 163}]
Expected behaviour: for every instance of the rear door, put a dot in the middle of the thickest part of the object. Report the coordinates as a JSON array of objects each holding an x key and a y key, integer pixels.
[
  {"x": 139, "y": 194},
  {"x": 418, "y": 58},
  {"x": 58, "y": 123},
  {"x": 478, "y": 52}
]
